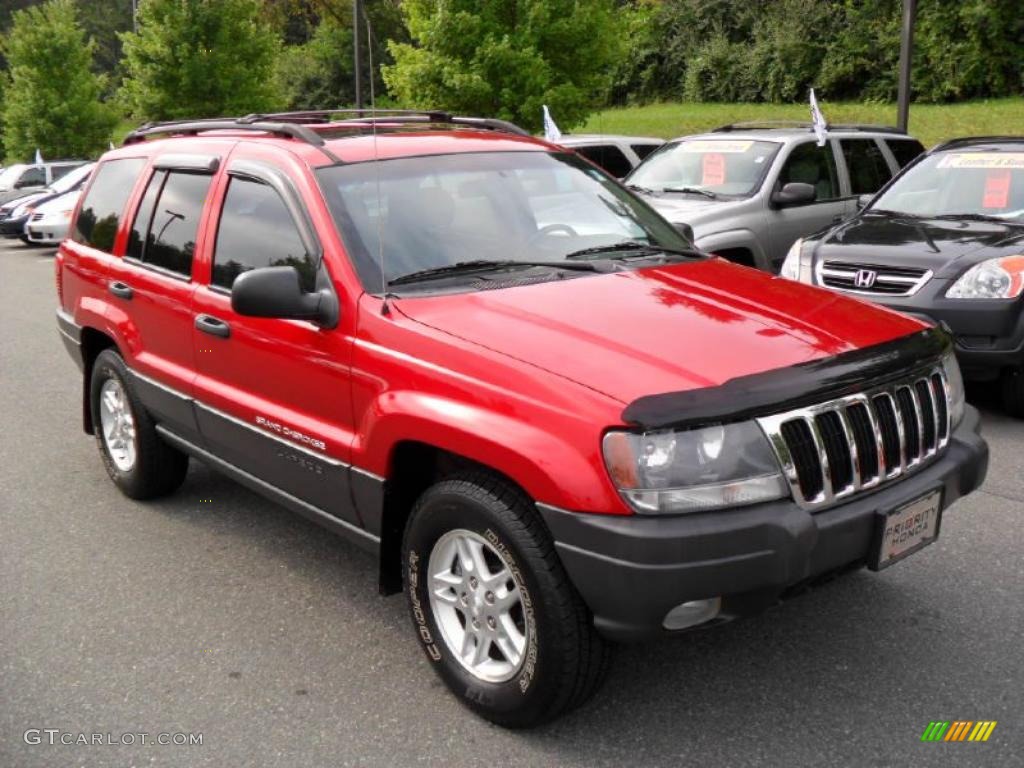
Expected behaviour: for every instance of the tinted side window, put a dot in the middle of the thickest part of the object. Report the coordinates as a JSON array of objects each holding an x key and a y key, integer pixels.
[
  {"x": 56, "y": 171},
  {"x": 171, "y": 239},
  {"x": 866, "y": 165},
  {"x": 810, "y": 164},
  {"x": 643, "y": 150},
  {"x": 905, "y": 150},
  {"x": 609, "y": 157},
  {"x": 256, "y": 230},
  {"x": 103, "y": 205},
  {"x": 144, "y": 216},
  {"x": 33, "y": 177}
]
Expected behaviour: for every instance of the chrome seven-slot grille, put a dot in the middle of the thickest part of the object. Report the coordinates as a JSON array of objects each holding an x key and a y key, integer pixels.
[
  {"x": 858, "y": 442},
  {"x": 873, "y": 278}
]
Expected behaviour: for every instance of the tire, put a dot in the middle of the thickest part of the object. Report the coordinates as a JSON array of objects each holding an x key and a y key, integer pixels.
[
  {"x": 562, "y": 660},
  {"x": 141, "y": 464},
  {"x": 1013, "y": 392}
]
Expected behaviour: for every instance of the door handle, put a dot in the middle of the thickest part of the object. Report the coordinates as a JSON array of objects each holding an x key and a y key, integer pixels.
[
  {"x": 838, "y": 218},
  {"x": 213, "y": 326},
  {"x": 121, "y": 290}
]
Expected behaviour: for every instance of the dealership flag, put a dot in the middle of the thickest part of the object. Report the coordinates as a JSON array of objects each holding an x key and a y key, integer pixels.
[
  {"x": 111, "y": 145},
  {"x": 551, "y": 132},
  {"x": 818, "y": 121},
  {"x": 39, "y": 156}
]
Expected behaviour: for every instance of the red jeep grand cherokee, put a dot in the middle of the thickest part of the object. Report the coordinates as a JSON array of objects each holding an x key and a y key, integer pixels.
[{"x": 483, "y": 360}]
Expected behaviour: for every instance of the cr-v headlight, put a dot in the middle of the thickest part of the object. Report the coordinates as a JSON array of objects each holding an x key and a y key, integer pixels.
[
  {"x": 1001, "y": 278},
  {"x": 955, "y": 383},
  {"x": 670, "y": 471}
]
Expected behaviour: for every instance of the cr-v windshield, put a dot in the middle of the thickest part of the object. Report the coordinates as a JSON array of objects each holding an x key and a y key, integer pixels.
[
  {"x": 437, "y": 211},
  {"x": 985, "y": 183},
  {"x": 722, "y": 167}
]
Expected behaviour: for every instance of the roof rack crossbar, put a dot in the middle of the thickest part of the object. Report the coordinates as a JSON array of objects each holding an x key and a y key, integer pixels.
[{"x": 193, "y": 127}]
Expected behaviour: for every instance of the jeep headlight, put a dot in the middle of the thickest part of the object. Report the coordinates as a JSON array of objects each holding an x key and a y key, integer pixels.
[
  {"x": 954, "y": 388},
  {"x": 796, "y": 266},
  {"x": 672, "y": 471},
  {"x": 1001, "y": 278}
]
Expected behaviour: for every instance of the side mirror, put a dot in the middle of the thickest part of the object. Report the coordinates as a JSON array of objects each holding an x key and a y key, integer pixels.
[
  {"x": 277, "y": 292},
  {"x": 863, "y": 200},
  {"x": 685, "y": 230},
  {"x": 794, "y": 193}
]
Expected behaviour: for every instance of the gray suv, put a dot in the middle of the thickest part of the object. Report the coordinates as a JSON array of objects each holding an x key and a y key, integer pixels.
[{"x": 748, "y": 191}]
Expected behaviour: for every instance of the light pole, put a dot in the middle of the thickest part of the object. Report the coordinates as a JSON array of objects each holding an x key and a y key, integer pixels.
[
  {"x": 906, "y": 51},
  {"x": 357, "y": 59}
]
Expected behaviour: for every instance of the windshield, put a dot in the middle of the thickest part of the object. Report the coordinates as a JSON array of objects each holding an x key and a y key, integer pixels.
[
  {"x": 440, "y": 210},
  {"x": 726, "y": 167},
  {"x": 985, "y": 183},
  {"x": 72, "y": 179},
  {"x": 10, "y": 175}
]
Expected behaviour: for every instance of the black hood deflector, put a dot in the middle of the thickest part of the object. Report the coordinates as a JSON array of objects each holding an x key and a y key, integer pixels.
[{"x": 784, "y": 389}]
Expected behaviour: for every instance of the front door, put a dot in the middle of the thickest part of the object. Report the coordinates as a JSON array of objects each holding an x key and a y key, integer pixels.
[
  {"x": 809, "y": 164},
  {"x": 272, "y": 395}
]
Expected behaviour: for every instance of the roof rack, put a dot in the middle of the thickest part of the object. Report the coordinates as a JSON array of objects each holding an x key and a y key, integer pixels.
[
  {"x": 772, "y": 124},
  {"x": 294, "y": 125},
  {"x": 964, "y": 140}
]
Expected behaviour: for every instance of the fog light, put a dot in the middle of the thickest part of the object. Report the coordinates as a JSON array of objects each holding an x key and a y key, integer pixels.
[{"x": 692, "y": 613}]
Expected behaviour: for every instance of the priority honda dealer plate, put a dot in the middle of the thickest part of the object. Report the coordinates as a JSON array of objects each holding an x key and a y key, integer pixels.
[{"x": 906, "y": 529}]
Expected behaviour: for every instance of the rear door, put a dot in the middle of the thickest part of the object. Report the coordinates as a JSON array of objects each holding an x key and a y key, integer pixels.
[
  {"x": 806, "y": 163},
  {"x": 867, "y": 168},
  {"x": 153, "y": 282},
  {"x": 272, "y": 395}
]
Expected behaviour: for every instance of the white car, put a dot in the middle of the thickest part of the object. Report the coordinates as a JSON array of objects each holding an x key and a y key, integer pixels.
[{"x": 49, "y": 222}]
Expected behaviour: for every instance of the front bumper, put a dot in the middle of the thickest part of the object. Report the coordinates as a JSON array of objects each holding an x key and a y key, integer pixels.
[
  {"x": 46, "y": 231},
  {"x": 631, "y": 571},
  {"x": 12, "y": 227}
]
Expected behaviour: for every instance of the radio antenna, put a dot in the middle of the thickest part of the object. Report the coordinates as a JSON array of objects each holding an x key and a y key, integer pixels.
[{"x": 384, "y": 308}]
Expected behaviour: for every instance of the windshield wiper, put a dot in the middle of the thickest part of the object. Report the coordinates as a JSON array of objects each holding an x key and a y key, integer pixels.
[
  {"x": 642, "y": 190},
  {"x": 692, "y": 191},
  {"x": 483, "y": 265},
  {"x": 630, "y": 246},
  {"x": 974, "y": 217}
]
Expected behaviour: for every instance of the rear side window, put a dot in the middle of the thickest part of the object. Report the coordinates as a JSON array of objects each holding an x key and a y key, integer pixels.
[
  {"x": 643, "y": 150},
  {"x": 904, "y": 150},
  {"x": 810, "y": 164},
  {"x": 256, "y": 230},
  {"x": 103, "y": 206},
  {"x": 866, "y": 165},
  {"x": 164, "y": 232},
  {"x": 56, "y": 171},
  {"x": 609, "y": 157}
]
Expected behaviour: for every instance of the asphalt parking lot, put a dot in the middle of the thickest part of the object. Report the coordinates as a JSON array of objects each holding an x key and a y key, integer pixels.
[{"x": 216, "y": 612}]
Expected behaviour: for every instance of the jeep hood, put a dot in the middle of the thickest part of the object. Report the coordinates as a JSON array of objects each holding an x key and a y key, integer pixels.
[{"x": 661, "y": 329}]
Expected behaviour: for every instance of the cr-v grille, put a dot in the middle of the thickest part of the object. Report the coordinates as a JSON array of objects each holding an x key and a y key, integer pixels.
[
  {"x": 858, "y": 442},
  {"x": 883, "y": 280}
]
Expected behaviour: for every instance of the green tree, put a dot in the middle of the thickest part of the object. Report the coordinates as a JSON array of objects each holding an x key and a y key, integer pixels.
[
  {"x": 506, "y": 59},
  {"x": 52, "y": 96},
  {"x": 318, "y": 74},
  {"x": 200, "y": 58}
]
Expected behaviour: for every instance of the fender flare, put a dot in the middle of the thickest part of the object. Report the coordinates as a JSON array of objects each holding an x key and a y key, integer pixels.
[{"x": 736, "y": 238}]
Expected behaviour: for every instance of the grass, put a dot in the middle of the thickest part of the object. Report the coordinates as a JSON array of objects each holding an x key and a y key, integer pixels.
[{"x": 931, "y": 123}]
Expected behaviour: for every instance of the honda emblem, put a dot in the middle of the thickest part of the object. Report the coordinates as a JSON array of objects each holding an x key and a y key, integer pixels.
[{"x": 865, "y": 278}]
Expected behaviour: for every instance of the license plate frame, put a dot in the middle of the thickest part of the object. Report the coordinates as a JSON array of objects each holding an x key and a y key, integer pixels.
[{"x": 882, "y": 553}]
